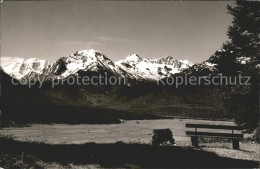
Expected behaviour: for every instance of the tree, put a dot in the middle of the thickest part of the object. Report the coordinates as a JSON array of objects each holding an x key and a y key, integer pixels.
[
  {"x": 244, "y": 34},
  {"x": 240, "y": 55}
]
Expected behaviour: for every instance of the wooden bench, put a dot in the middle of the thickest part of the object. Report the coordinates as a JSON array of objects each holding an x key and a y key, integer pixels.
[{"x": 195, "y": 134}]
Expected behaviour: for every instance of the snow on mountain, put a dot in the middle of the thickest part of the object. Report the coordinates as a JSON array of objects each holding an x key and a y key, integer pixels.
[
  {"x": 201, "y": 69},
  {"x": 86, "y": 60},
  {"x": 143, "y": 68},
  {"x": 205, "y": 66},
  {"x": 211, "y": 66},
  {"x": 132, "y": 67},
  {"x": 169, "y": 60},
  {"x": 27, "y": 67}
]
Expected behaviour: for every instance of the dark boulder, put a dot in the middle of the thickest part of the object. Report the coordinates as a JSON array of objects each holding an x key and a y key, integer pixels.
[{"x": 162, "y": 136}]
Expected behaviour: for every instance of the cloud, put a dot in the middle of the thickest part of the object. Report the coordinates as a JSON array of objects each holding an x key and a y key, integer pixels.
[
  {"x": 5, "y": 60},
  {"x": 93, "y": 43},
  {"x": 108, "y": 38},
  {"x": 104, "y": 38},
  {"x": 81, "y": 43}
]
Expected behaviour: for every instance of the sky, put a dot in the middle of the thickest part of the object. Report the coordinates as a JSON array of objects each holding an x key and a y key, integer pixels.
[{"x": 53, "y": 29}]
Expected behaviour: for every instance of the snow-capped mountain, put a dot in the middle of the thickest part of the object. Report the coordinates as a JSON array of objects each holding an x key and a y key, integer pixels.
[
  {"x": 169, "y": 60},
  {"x": 201, "y": 69},
  {"x": 85, "y": 60},
  {"x": 28, "y": 68},
  {"x": 132, "y": 67},
  {"x": 143, "y": 68}
]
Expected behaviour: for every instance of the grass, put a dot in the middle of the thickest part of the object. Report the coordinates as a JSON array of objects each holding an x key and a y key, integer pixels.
[
  {"x": 31, "y": 154},
  {"x": 22, "y": 160}
]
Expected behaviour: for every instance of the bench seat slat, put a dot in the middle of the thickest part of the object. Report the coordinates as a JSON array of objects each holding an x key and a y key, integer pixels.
[
  {"x": 209, "y": 134},
  {"x": 210, "y": 126}
]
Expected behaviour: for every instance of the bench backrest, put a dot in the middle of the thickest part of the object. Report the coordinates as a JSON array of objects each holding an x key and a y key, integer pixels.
[
  {"x": 212, "y": 134},
  {"x": 211, "y": 126}
]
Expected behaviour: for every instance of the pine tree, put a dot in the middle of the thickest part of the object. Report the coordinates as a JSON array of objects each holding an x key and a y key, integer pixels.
[
  {"x": 243, "y": 43},
  {"x": 244, "y": 34},
  {"x": 244, "y": 40}
]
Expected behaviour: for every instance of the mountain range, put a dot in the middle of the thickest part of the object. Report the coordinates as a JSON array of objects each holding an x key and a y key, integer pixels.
[{"x": 132, "y": 67}]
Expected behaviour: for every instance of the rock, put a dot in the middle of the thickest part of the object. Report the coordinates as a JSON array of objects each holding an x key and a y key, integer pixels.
[{"x": 162, "y": 136}]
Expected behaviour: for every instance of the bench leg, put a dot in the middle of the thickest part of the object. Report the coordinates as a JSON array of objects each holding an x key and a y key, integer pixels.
[
  {"x": 235, "y": 143},
  {"x": 195, "y": 141}
]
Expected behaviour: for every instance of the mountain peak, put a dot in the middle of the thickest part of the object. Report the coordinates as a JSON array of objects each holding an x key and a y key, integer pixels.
[
  {"x": 87, "y": 52},
  {"x": 168, "y": 57},
  {"x": 168, "y": 60},
  {"x": 25, "y": 67},
  {"x": 135, "y": 58},
  {"x": 85, "y": 60}
]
